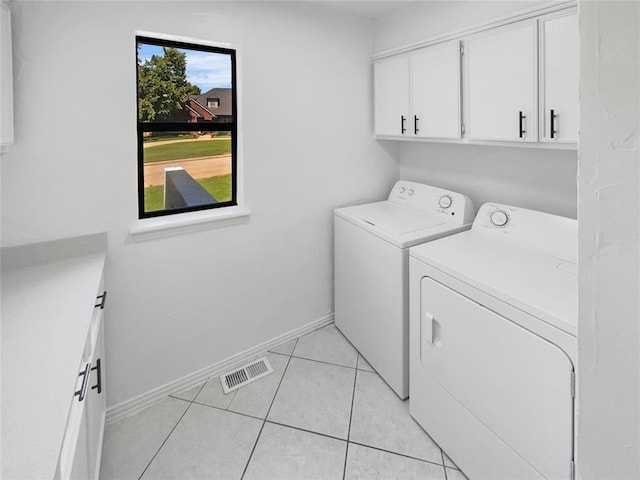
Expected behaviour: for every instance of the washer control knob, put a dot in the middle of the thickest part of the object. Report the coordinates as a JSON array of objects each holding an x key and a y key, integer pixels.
[
  {"x": 445, "y": 201},
  {"x": 402, "y": 189},
  {"x": 410, "y": 192},
  {"x": 499, "y": 218}
]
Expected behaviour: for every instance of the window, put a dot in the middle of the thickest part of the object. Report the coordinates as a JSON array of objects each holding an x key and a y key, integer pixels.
[{"x": 186, "y": 151}]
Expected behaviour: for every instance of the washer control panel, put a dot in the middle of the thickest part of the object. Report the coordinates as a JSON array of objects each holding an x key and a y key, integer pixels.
[
  {"x": 453, "y": 206},
  {"x": 445, "y": 201}
]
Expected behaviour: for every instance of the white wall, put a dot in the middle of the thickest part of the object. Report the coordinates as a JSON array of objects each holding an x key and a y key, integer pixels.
[
  {"x": 609, "y": 250},
  {"x": 425, "y": 20},
  {"x": 523, "y": 177},
  {"x": 531, "y": 178},
  {"x": 185, "y": 302}
]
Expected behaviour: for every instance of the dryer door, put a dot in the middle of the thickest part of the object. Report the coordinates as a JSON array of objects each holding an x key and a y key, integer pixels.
[{"x": 514, "y": 382}]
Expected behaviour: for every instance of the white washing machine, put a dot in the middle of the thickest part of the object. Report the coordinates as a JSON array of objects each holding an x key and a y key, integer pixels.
[
  {"x": 372, "y": 269},
  {"x": 493, "y": 346}
]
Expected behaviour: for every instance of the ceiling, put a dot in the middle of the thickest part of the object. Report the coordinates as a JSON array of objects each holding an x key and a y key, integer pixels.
[
  {"x": 367, "y": 8},
  {"x": 372, "y": 9}
]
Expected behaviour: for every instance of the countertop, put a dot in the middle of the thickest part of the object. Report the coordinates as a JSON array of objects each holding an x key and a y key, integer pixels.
[{"x": 46, "y": 311}]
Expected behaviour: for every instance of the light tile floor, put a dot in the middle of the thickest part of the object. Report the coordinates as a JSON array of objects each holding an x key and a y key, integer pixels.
[{"x": 322, "y": 414}]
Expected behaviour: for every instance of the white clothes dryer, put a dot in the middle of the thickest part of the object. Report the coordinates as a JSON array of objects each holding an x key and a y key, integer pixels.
[
  {"x": 493, "y": 346},
  {"x": 372, "y": 269}
]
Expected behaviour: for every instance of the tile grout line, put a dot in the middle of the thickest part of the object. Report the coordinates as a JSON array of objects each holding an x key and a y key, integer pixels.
[
  {"x": 397, "y": 453},
  {"x": 325, "y": 435},
  {"x": 278, "y": 353},
  {"x": 446, "y": 477},
  {"x": 264, "y": 421},
  {"x": 226, "y": 410},
  {"x": 171, "y": 432},
  {"x": 334, "y": 364},
  {"x": 235, "y": 392},
  {"x": 353, "y": 399}
]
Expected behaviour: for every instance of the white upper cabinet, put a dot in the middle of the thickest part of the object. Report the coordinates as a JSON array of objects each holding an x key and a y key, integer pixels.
[
  {"x": 418, "y": 94},
  {"x": 559, "y": 78},
  {"x": 6, "y": 77},
  {"x": 391, "y": 96},
  {"x": 515, "y": 82},
  {"x": 435, "y": 87},
  {"x": 501, "y": 84}
]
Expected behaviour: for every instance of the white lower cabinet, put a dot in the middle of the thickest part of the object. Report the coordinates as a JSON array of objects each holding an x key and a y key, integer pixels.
[
  {"x": 96, "y": 407},
  {"x": 501, "y": 84},
  {"x": 82, "y": 443}
]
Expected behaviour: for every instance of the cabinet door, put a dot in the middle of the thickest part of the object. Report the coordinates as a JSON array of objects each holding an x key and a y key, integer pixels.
[
  {"x": 501, "y": 88},
  {"x": 96, "y": 406},
  {"x": 560, "y": 76},
  {"x": 391, "y": 96},
  {"x": 82, "y": 443},
  {"x": 73, "y": 461},
  {"x": 435, "y": 87}
]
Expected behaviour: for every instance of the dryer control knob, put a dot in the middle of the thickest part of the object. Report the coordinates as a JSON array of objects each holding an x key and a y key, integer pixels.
[
  {"x": 499, "y": 218},
  {"x": 445, "y": 201},
  {"x": 402, "y": 189},
  {"x": 410, "y": 192}
]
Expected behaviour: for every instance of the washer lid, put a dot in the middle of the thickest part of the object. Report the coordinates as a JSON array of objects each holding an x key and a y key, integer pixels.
[
  {"x": 397, "y": 224},
  {"x": 542, "y": 285}
]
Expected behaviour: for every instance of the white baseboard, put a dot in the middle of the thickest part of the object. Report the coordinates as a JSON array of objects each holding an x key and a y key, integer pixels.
[{"x": 140, "y": 402}]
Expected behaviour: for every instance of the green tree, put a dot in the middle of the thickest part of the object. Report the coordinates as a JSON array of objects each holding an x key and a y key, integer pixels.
[{"x": 163, "y": 87}]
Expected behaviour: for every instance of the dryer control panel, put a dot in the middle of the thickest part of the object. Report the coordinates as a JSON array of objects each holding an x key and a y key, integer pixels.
[
  {"x": 452, "y": 206},
  {"x": 555, "y": 235}
]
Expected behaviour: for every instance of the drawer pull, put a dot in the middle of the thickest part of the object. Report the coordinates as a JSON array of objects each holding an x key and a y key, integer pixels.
[
  {"x": 85, "y": 383},
  {"x": 103, "y": 300},
  {"x": 98, "y": 370}
]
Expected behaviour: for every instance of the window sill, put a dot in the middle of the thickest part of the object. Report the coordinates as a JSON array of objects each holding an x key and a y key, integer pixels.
[{"x": 158, "y": 227}]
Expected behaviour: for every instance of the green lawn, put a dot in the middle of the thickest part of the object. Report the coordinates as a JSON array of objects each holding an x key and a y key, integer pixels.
[
  {"x": 187, "y": 149},
  {"x": 219, "y": 187}
]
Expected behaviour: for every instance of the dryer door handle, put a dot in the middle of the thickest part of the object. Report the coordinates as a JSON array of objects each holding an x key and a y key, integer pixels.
[
  {"x": 427, "y": 326},
  {"x": 430, "y": 329}
]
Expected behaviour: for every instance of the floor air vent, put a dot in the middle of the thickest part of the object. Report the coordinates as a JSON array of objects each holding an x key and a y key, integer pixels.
[{"x": 241, "y": 376}]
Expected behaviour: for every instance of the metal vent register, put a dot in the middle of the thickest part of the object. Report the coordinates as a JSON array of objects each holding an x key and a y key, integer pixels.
[{"x": 241, "y": 376}]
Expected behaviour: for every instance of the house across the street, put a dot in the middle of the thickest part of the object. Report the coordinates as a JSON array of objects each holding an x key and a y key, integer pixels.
[{"x": 211, "y": 106}]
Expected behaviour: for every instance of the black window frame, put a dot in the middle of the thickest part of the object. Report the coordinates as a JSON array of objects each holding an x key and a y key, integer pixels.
[{"x": 188, "y": 127}]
